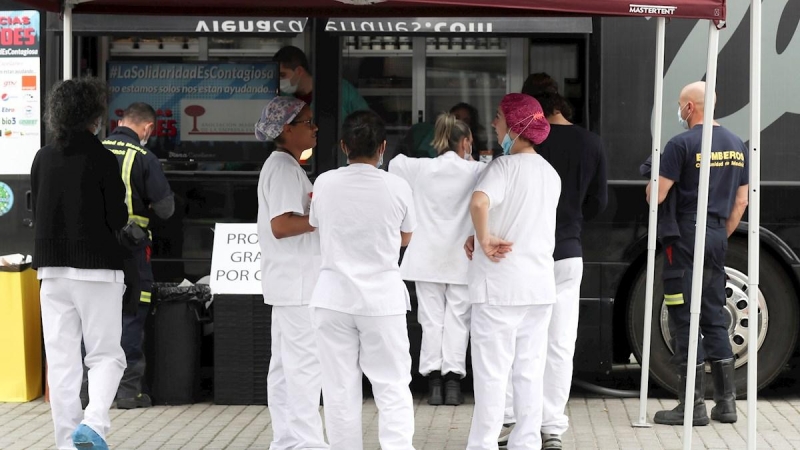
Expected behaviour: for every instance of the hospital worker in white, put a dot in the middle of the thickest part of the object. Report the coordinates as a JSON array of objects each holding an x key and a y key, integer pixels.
[
  {"x": 364, "y": 215},
  {"x": 511, "y": 277},
  {"x": 435, "y": 259},
  {"x": 289, "y": 269}
]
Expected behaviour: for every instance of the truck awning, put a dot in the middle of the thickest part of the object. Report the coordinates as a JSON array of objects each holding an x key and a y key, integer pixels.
[
  {"x": 135, "y": 25},
  {"x": 694, "y": 9}
]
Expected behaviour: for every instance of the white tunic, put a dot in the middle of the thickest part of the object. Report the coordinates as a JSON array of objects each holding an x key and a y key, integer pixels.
[
  {"x": 360, "y": 212},
  {"x": 523, "y": 191},
  {"x": 289, "y": 266},
  {"x": 442, "y": 190}
]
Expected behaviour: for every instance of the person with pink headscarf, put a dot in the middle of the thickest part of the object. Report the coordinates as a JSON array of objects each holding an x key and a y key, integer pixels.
[{"x": 511, "y": 276}]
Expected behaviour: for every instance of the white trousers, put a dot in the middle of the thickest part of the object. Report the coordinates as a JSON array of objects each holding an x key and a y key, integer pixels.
[
  {"x": 294, "y": 381},
  {"x": 443, "y": 311},
  {"x": 508, "y": 339},
  {"x": 350, "y": 345},
  {"x": 73, "y": 309},
  {"x": 562, "y": 333}
]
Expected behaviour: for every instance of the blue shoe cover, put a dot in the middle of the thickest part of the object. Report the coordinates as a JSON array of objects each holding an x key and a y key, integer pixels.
[{"x": 85, "y": 437}]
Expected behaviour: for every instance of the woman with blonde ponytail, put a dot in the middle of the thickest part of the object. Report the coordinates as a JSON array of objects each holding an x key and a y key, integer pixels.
[{"x": 435, "y": 260}]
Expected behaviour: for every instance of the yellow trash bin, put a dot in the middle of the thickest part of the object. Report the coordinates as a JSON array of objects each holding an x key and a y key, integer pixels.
[{"x": 21, "y": 337}]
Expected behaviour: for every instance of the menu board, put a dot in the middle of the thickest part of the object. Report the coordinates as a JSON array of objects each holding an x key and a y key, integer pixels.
[{"x": 20, "y": 94}]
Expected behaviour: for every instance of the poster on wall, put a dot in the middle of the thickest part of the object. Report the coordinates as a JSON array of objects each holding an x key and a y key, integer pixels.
[
  {"x": 20, "y": 111},
  {"x": 206, "y": 111}
]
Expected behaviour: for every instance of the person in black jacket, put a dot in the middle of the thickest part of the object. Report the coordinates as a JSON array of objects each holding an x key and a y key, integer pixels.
[{"x": 79, "y": 210}]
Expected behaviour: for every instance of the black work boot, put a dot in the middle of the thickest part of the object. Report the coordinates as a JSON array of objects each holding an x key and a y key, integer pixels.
[
  {"x": 452, "y": 389},
  {"x": 435, "y": 396},
  {"x": 140, "y": 401},
  {"x": 675, "y": 416},
  {"x": 724, "y": 391}
]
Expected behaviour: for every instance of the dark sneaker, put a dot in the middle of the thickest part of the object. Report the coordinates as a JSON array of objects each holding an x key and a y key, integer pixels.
[
  {"x": 505, "y": 432},
  {"x": 452, "y": 389},
  {"x": 435, "y": 388},
  {"x": 140, "y": 401},
  {"x": 85, "y": 437},
  {"x": 551, "y": 442}
]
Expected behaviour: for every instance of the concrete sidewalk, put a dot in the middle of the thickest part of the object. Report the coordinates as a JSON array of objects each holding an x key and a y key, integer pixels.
[{"x": 596, "y": 423}]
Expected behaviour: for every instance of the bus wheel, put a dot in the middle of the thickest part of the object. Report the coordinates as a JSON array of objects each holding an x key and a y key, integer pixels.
[{"x": 778, "y": 320}]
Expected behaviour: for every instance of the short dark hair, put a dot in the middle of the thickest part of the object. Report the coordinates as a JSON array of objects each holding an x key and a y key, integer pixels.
[
  {"x": 139, "y": 112},
  {"x": 473, "y": 114},
  {"x": 539, "y": 83},
  {"x": 362, "y": 133},
  {"x": 73, "y": 106},
  {"x": 292, "y": 57},
  {"x": 544, "y": 88}
]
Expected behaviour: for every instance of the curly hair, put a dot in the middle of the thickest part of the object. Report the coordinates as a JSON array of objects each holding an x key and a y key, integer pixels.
[{"x": 73, "y": 106}]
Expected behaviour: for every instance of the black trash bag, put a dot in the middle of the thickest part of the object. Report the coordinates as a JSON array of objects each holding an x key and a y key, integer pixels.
[{"x": 179, "y": 313}]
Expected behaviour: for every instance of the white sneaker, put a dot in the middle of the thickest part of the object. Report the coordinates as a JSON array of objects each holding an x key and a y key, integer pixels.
[
  {"x": 551, "y": 442},
  {"x": 504, "y": 433}
]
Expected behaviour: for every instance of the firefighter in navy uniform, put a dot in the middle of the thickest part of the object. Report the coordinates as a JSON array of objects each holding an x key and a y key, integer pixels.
[
  {"x": 146, "y": 191},
  {"x": 727, "y": 201}
]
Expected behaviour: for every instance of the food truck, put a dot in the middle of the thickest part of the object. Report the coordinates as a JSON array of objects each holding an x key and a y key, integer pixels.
[{"x": 207, "y": 69}]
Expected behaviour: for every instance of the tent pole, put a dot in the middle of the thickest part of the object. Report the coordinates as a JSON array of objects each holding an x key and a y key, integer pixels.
[
  {"x": 700, "y": 234},
  {"x": 67, "y": 40},
  {"x": 658, "y": 97},
  {"x": 754, "y": 222}
]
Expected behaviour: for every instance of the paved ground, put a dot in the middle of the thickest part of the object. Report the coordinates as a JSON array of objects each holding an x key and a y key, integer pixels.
[{"x": 597, "y": 423}]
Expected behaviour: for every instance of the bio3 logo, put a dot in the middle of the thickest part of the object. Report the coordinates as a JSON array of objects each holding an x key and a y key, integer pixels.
[{"x": 8, "y": 121}]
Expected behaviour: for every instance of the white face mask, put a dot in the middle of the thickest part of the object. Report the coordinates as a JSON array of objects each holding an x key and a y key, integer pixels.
[
  {"x": 684, "y": 123},
  {"x": 97, "y": 126},
  {"x": 380, "y": 161},
  {"x": 144, "y": 141},
  {"x": 287, "y": 87}
]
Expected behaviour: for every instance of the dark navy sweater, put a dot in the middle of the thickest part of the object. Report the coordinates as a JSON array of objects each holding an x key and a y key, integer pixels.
[{"x": 578, "y": 157}]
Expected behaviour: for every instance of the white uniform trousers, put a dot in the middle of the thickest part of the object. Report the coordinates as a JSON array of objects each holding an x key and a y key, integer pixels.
[
  {"x": 443, "y": 311},
  {"x": 294, "y": 381},
  {"x": 376, "y": 346},
  {"x": 72, "y": 309},
  {"x": 562, "y": 333},
  {"x": 508, "y": 339}
]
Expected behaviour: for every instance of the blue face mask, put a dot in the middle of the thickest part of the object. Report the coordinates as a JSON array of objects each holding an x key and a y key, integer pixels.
[
  {"x": 507, "y": 144},
  {"x": 380, "y": 162}
]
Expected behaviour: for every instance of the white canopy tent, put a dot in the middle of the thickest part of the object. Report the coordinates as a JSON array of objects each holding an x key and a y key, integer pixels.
[
  {"x": 702, "y": 213},
  {"x": 712, "y": 10}
]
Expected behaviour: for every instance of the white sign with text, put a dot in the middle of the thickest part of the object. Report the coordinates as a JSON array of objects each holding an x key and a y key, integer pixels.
[{"x": 236, "y": 259}]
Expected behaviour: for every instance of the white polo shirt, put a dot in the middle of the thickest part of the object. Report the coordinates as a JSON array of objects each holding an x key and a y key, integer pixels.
[
  {"x": 360, "y": 211},
  {"x": 442, "y": 189},
  {"x": 523, "y": 191},
  {"x": 289, "y": 266}
]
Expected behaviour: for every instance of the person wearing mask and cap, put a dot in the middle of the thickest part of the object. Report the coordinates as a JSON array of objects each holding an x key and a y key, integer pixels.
[
  {"x": 364, "y": 215},
  {"x": 511, "y": 277},
  {"x": 289, "y": 270},
  {"x": 577, "y": 156},
  {"x": 435, "y": 261},
  {"x": 296, "y": 80}
]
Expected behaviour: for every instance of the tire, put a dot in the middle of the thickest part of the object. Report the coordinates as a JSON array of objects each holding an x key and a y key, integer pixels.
[{"x": 782, "y": 321}]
